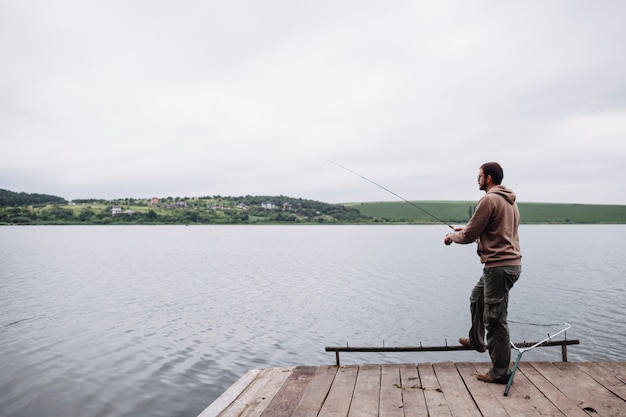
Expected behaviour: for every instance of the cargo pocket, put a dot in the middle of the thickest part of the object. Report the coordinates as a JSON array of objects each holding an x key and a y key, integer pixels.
[
  {"x": 512, "y": 275},
  {"x": 494, "y": 312}
]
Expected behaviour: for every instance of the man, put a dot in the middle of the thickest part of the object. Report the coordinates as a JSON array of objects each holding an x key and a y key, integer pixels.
[{"x": 494, "y": 225}]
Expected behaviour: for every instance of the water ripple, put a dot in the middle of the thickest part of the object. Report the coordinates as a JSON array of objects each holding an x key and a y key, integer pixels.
[{"x": 158, "y": 321}]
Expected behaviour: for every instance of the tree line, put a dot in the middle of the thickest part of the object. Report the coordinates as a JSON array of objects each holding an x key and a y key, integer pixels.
[{"x": 13, "y": 199}]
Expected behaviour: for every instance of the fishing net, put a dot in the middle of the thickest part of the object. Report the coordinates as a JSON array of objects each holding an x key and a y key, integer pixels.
[
  {"x": 526, "y": 334},
  {"x": 524, "y": 346}
]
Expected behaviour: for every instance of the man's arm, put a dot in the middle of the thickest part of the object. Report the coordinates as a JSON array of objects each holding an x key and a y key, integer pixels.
[{"x": 474, "y": 227}]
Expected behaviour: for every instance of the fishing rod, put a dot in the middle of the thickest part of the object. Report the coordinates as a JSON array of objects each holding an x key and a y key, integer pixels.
[{"x": 391, "y": 192}]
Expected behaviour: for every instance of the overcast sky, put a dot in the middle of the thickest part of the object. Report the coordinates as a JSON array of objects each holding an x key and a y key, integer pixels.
[{"x": 114, "y": 99}]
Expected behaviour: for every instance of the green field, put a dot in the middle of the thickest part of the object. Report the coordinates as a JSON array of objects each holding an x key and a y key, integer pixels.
[{"x": 459, "y": 212}]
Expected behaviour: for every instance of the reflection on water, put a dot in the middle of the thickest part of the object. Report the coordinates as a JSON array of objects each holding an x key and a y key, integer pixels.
[{"x": 160, "y": 320}]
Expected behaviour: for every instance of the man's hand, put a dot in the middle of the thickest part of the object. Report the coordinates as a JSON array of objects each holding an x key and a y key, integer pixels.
[{"x": 448, "y": 239}]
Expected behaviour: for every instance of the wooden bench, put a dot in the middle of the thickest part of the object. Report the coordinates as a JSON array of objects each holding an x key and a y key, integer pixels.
[{"x": 337, "y": 349}]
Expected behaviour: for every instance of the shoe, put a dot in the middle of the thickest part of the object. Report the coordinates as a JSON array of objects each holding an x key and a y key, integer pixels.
[
  {"x": 464, "y": 341},
  {"x": 488, "y": 378}
]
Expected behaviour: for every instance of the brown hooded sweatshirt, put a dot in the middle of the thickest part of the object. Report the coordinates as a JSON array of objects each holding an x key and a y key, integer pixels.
[{"x": 494, "y": 226}]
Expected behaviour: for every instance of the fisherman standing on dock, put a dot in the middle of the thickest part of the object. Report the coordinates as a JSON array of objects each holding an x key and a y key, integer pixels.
[{"x": 494, "y": 226}]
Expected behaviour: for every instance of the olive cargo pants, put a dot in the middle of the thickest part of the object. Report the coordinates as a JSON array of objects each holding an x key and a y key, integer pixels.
[{"x": 489, "y": 302}]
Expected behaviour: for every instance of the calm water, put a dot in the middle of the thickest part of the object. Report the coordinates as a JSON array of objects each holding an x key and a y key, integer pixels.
[{"x": 160, "y": 320}]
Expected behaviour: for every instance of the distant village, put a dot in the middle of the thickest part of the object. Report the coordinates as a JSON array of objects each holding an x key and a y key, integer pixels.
[
  {"x": 155, "y": 202},
  {"x": 21, "y": 208}
]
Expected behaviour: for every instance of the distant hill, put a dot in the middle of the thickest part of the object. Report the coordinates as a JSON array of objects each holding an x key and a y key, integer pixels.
[
  {"x": 24, "y": 208},
  {"x": 13, "y": 199},
  {"x": 459, "y": 212}
]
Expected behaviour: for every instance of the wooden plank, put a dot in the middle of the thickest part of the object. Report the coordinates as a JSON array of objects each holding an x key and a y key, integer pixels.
[
  {"x": 483, "y": 396},
  {"x": 255, "y": 399},
  {"x": 550, "y": 391},
  {"x": 366, "y": 396},
  {"x": 523, "y": 388},
  {"x": 579, "y": 386},
  {"x": 315, "y": 395},
  {"x": 443, "y": 389},
  {"x": 617, "y": 369},
  {"x": 436, "y": 404},
  {"x": 412, "y": 392},
  {"x": 338, "y": 402},
  {"x": 458, "y": 398},
  {"x": 230, "y": 394},
  {"x": 514, "y": 404},
  {"x": 390, "y": 391},
  {"x": 605, "y": 378},
  {"x": 291, "y": 392}
]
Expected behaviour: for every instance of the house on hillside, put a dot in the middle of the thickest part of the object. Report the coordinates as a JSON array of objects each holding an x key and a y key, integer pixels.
[
  {"x": 116, "y": 211},
  {"x": 268, "y": 205}
]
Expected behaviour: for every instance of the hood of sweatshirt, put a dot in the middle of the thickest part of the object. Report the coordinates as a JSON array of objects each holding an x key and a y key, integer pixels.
[{"x": 508, "y": 194}]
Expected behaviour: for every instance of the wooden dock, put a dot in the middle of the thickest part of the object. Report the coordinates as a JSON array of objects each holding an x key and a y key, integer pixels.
[{"x": 558, "y": 389}]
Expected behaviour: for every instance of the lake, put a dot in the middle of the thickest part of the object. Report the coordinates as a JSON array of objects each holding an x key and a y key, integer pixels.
[{"x": 160, "y": 320}]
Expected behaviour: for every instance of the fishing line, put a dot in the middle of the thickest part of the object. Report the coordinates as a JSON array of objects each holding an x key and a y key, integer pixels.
[{"x": 391, "y": 192}]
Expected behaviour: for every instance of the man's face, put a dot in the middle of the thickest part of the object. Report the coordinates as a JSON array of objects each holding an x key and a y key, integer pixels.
[{"x": 482, "y": 181}]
